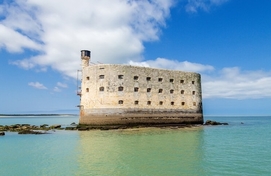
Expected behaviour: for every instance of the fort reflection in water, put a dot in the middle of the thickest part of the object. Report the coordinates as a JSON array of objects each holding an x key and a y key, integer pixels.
[{"x": 149, "y": 151}]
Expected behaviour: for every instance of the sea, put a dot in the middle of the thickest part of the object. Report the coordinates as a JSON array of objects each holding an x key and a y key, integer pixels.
[{"x": 241, "y": 148}]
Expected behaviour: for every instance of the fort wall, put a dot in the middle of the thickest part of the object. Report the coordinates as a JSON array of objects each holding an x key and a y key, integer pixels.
[{"x": 124, "y": 94}]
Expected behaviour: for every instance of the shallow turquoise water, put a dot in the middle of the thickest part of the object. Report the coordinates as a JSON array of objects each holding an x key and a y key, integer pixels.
[{"x": 237, "y": 149}]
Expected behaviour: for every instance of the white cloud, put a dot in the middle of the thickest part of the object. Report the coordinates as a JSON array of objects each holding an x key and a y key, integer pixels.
[
  {"x": 173, "y": 65},
  {"x": 237, "y": 84},
  {"x": 113, "y": 30},
  {"x": 37, "y": 85},
  {"x": 56, "y": 89},
  {"x": 194, "y": 5},
  {"x": 59, "y": 84}
]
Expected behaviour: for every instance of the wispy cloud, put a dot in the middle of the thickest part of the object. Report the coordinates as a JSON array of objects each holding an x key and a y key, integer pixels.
[
  {"x": 194, "y": 5},
  {"x": 37, "y": 85},
  {"x": 63, "y": 85},
  {"x": 56, "y": 89}
]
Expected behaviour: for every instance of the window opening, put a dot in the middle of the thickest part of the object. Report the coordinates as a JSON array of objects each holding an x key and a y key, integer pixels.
[
  {"x": 101, "y": 89},
  {"x": 120, "y": 88},
  {"x": 101, "y": 76},
  {"x": 172, "y": 103},
  {"x": 87, "y": 89},
  {"x": 160, "y": 79},
  {"x": 148, "y": 89},
  {"x": 160, "y": 103},
  {"x": 182, "y": 91},
  {"x": 120, "y": 101},
  {"x": 120, "y": 76},
  {"x": 136, "y": 89},
  {"x": 194, "y": 103},
  {"x": 183, "y": 103},
  {"x": 160, "y": 90},
  {"x": 148, "y": 78},
  {"x": 182, "y": 81},
  {"x": 136, "y": 102},
  {"x": 193, "y": 82},
  {"x": 87, "y": 77},
  {"x": 171, "y": 91},
  {"x": 135, "y": 77},
  {"x": 193, "y": 92},
  {"x": 148, "y": 102},
  {"x": 171, "y": 80}
]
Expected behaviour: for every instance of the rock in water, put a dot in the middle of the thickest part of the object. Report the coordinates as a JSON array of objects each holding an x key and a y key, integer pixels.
[{"x": 2, "y": 133}]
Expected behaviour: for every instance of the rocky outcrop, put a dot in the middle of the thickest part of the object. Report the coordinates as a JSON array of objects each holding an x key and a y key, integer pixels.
[
  {"x": 2, "y": 133},
  {"x": 210, "y": 122},
  {"x": 31, "y": 132}
]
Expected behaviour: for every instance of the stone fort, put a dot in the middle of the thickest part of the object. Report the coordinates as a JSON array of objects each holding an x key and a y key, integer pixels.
[{"x": 114, "y": 94}]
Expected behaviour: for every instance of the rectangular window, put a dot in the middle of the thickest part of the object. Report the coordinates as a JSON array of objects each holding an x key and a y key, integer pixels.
[
  {"x": 171, "y": 80},
  {"x": 148, "y": 89},
  {"x": 101, "y": 89},
  {"x": 148, "y": 78},
  {"x": 136, "y": 102},
  {"x": 160, "y": 79},
  {"x": 193, "y": 82},
  {"x": 120, "y": 76},
  {"x": 87, "y": 89},
  {"x": 171, "y": 91},
  {"x": 182, "y": 91},
  {"x": 182, "y": 81},
  {"x": 101, "y": 77},
  {"x": 87, "y": 77},
  {"x": 136, "y": 89},
  {"x": 120, "y": 88},
  {"x": 148, "y": 102},
  {"x": 193, "y": 92},
  {"x": 135, "y": 77},
  {"x": 172, "y": 103},
  {"x": 120, "y": 101},
  {"x": 160, "y": 103},
  {"x": 194, "y": 103},
  {"x": 160, "y": 90},
  {"x": 183, "y": 103}
]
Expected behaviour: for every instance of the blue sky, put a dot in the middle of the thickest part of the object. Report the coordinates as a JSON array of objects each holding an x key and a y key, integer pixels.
[{"x": 227, "y": 41}]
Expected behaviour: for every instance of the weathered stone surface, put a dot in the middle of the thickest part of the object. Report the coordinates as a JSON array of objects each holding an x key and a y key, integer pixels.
[
  {"x": 124, "y": 94},
  {"x": 55, "y": 126}
]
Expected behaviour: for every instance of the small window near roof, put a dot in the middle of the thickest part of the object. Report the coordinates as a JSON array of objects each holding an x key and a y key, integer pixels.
[{"x": 135, "y": 77}]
